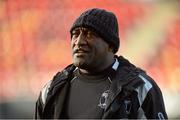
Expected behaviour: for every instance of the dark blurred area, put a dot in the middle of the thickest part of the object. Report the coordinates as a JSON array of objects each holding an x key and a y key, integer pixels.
[{"x": 17, "y": 110}]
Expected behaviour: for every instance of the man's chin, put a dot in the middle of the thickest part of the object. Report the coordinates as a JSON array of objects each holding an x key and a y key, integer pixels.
[{"x": 79, "y": 64}]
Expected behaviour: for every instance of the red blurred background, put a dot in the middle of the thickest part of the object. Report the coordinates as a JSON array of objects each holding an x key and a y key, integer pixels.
[{"x": 35, "y": 44}]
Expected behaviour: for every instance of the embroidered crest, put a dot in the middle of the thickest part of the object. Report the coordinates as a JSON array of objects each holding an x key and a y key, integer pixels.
[{"x": 103, "y": 99}]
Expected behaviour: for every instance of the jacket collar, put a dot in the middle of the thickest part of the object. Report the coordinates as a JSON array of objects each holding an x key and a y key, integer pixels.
[
  {"x": 125, "y": 74},
  {"x": 62, "y": 77}
]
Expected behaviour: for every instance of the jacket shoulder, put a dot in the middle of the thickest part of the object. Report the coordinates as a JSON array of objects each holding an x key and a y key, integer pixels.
[
  {"x": 129, "y": 74},
  {"x": 57, "y": 79}
]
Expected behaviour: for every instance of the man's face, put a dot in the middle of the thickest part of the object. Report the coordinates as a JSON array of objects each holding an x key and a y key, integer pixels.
[{"x": 88, "y": 49}]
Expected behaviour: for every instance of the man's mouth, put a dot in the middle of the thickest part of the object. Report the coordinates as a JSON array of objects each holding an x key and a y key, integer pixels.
[{"x": 80, "y": 52}]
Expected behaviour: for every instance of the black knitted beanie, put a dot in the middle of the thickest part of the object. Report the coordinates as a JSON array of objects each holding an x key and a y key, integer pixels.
[{"x": 104, "y": 23}]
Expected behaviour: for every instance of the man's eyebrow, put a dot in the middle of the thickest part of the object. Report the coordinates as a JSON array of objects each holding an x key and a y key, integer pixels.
[
  {"x": 76, "y": 29},
  {"x": 83, "y": 29}
]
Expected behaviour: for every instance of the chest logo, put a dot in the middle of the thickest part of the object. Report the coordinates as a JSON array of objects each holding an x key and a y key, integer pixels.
[{"x": 103, "y": 99}]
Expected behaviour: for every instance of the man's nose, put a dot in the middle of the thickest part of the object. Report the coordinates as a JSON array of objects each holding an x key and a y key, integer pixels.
[{"x": 81, "y": 40}]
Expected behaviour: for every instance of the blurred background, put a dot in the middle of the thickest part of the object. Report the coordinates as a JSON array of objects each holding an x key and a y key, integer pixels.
[{"x": 35, "y": 45}]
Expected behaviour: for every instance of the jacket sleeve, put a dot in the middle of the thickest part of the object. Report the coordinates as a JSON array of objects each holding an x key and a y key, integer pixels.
[
  {"x": 151, "y": 100},
  {"x": 41, "y": 101},
  {"x": 38, "y": 108},
  {"x": 153, "y": 105}
]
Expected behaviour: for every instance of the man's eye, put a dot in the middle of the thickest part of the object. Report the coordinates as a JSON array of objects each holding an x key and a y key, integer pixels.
[
  {"x": 75, "y": 34},
  {"x": 92, "y": 34}
]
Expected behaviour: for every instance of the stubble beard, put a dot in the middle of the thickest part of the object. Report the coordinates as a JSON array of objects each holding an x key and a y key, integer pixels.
[{"x": 80, "y": 63}]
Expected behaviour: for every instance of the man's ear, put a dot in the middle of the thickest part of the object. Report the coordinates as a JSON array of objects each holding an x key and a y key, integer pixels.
[{"x": 110, "y": 49}]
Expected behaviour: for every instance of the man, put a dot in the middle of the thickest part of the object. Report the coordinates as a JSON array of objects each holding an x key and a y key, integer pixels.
[{"x": 99, "y": 84}]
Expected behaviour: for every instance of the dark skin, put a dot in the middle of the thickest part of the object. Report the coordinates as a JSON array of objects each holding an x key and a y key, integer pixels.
[{"x": 91, "y": 54}]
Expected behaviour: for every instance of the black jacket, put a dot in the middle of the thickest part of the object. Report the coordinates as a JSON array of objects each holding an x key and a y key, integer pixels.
[{"x": 133, "y": 94}]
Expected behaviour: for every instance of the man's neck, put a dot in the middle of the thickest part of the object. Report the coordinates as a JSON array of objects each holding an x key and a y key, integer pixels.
[{"x": 96, "y": 70}]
